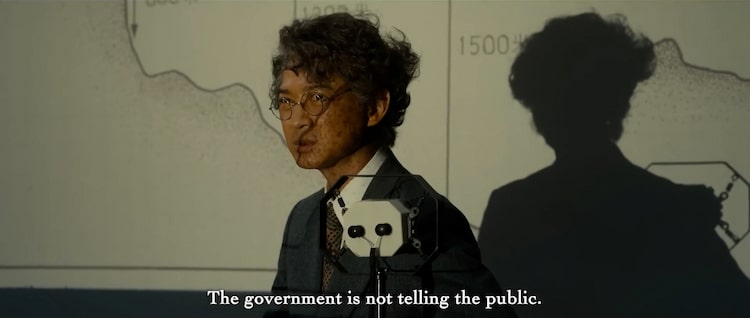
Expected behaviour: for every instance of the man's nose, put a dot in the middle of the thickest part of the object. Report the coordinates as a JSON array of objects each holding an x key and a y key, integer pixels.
[{"x": 300, "y": 118}]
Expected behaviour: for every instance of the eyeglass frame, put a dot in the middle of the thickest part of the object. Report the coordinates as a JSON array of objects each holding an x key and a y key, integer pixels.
[{"x": 326, "y": 101}]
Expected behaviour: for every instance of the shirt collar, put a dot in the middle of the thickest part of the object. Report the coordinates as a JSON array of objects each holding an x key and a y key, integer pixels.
[{"x": 355, "y": 190}]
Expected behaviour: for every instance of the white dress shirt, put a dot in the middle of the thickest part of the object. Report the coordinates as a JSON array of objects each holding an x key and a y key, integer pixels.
[{"x": 354, "y": 191}]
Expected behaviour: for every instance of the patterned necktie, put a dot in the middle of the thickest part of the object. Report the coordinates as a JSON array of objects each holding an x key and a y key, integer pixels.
[{"x": 333, "y": 242}]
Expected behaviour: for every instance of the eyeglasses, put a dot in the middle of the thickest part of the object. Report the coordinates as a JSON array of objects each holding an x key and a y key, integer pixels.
[{"x": 313, "y": 103}]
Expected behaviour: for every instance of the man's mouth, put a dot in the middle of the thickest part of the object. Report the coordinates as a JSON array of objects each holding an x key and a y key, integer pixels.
[{"x": 305, "y": 145}]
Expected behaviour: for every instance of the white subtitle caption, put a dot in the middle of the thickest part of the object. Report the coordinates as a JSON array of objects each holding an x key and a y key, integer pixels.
[{"x": 416, "y": 298}]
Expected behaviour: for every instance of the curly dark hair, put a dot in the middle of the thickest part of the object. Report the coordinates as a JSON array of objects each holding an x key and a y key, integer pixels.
[
  {"x": 350, "y": 46},
  {"x": 577, "y": 76}
]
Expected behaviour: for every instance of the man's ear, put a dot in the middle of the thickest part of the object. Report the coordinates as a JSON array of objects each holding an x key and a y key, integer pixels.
[{"x": 378, "y": 110}]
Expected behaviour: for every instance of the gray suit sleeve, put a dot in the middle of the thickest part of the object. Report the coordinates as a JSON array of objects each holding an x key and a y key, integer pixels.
[{"x": 280, "y": 286}]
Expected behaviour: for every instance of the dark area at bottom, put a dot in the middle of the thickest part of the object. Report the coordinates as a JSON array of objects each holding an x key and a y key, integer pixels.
[{"x": 34, "y": 302}]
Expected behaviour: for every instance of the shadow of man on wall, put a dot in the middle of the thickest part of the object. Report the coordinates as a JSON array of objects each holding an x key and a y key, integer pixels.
[{"x": 593, "y": 235}]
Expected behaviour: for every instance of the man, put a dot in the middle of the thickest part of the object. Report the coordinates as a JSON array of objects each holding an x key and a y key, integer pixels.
[{"x": 340, "y": 89}]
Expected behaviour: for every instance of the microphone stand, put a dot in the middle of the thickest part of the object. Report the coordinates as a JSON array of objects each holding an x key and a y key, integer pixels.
[
  {"x": 377, "y": 273},
  {"x": 377, "y": 276}
]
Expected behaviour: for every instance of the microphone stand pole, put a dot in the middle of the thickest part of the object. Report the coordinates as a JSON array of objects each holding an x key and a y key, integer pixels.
[{"x": 377, "y": 277}]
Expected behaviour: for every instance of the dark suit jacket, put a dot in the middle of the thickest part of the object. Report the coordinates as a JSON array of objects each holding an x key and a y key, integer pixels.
[
  {"x": 455, "y": 266},
  {"x": 601, "y": 237}
]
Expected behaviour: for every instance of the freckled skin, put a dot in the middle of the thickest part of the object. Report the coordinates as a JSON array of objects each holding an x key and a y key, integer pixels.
[{"x": 332, "y": 142}]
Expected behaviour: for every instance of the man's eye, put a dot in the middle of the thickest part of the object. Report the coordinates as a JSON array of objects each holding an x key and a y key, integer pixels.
[
  {"x": 284, "y": 101},
  {"x": 317, "y": 97}
]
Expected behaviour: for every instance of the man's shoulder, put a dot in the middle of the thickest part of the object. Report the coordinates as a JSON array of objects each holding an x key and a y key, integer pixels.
[
  {"x": 391, "y": 165},
  {"x": 311, "y": 199},
  {"x": 307, "y": 205},
  {"x": 299, "y": 219}
]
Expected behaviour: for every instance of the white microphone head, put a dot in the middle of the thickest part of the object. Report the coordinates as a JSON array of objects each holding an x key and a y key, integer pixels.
[{"x": 371, "y": 213}]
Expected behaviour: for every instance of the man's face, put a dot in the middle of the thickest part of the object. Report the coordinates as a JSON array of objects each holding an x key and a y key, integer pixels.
[{"x": 322, "y": 141}]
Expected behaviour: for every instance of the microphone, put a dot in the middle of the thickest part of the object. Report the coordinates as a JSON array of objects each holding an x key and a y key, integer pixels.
[
  {"x": 356, "y": 231},
  {"x": 381, "y": 224},
  {"x": 383, "y": 229}
]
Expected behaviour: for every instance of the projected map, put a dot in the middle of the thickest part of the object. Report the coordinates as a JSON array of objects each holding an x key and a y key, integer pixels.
[{"x": 138, "y": 147}]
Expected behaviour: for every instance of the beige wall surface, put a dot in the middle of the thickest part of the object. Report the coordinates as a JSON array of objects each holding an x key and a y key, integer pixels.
[{"x": 137, "y": 151}]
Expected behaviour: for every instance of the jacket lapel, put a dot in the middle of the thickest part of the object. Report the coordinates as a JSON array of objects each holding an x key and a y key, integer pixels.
[{"x": 314, "y": 258}]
